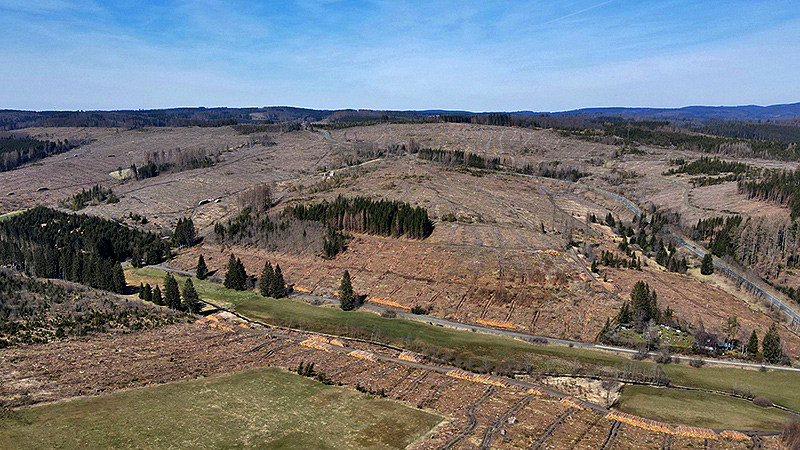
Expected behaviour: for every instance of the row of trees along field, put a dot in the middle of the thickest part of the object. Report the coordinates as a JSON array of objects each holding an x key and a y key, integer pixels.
[
  {"x": 16, "y": 151},
  {"x": 186, "y": 300},
  {"x": 75, "y": 247},
  {"x": 270, "y": 284},
  {"x": 364, "y": 215}
]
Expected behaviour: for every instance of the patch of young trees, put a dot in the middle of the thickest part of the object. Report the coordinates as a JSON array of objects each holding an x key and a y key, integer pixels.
[
  {"x": 365, "y": 215},
  {"x": 16, "y": 151},
  {"x": 37, "y": 311},
  {"x": 96, "y": 194},
  {"x": 648, "y": 241},
  {"x": 247, "y": 225},
  {"x": 85, "y": 249}
]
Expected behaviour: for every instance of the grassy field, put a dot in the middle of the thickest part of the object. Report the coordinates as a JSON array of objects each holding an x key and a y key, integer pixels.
[
  {"x": 477, "y": 349},
  {"x": 699, "y": 409},
  {"x": 11, "y": 214},
  {"x": 265, "y": 408}
]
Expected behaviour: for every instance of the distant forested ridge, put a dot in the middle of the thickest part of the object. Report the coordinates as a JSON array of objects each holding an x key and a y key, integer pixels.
[
  {"x": 364, "y": 215},
  {"x": 75, "y": 247},
  {"x": 16, "y": 151},
  {"x": 785, "y": 132}
]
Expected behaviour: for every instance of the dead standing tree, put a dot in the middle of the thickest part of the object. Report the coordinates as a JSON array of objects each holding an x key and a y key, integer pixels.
[{"x": 258, "y": 198}]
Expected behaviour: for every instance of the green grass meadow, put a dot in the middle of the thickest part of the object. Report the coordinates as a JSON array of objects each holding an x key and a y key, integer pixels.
[
  {"x": 681, "y": 407},
  {"x": 265, "y": 408},
  {"x": 474, "y": 349}
]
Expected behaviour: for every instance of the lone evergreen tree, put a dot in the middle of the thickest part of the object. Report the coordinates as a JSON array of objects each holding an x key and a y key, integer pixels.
[
  {"x": 184, "y": 233},
  {"x": 201, "y": 272},
  {"x": 157, "y": 299},
  {"x": 347, "y": 299},
  {"x": 147, "y": 293},
  {"x": 141, "y": 291},
  {"x": 236, "y": 277},
  {"x": 752, "y": 344},
  {"x": 644, "y": 302},
  {"x": 172, "y": 294},
  {"x": 278, "y": 284},
  {"x": 118, "y": 283},
  {"x": 771, "y": 345},
  {"x": 707, "y": 266},
  {"x": 265, "y": 282},
  {"x": 191, "y": 301}
]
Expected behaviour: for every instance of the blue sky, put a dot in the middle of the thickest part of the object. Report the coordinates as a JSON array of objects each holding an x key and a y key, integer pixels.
[{"x": 472, "y": 55}]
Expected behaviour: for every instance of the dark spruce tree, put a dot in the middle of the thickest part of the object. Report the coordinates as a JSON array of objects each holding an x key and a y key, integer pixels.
[
  {"x": 265, "y": 282},
  {"x": 201, "y": 271},
  {"x": 771, "y": 345},
  {"x": 752, "y": 344},
  {"x": 147, "y": 293},
  {"x": 157, "y": 298},
  {"x": 278, "y": 288},
  {"x": 172, "y": 294},
  {"x": 191, "y": 301},
  {"x": 644, "y": 303},
  {"x": 185, "y": 234},
  {"x": 236, "y": 277},
  {"x": 347, "y": 300},
  {"x": 707, "y": 266},
  {"x": 118, "y": 283}
]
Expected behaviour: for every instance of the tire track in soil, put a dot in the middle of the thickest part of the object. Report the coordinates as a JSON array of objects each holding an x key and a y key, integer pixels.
[
  {"x": 422, "y": 375},
  {"x": 666, "y": 444},
  {"x": 538, "y": 445},
  {"x": 612, "y": 436},
  {"x": 495, "y": 427},
  {"x": 472, "y": 419}
]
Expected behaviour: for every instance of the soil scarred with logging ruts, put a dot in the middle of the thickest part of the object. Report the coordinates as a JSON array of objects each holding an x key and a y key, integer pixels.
[
  {"x": 476, "y": 412},
  {"x": 486, "y": 267}
]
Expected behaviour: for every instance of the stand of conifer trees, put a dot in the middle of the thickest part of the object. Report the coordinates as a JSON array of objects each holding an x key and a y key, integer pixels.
[
  {"x": 85, "y": 249},
  {"x": 361, "y": 214}
]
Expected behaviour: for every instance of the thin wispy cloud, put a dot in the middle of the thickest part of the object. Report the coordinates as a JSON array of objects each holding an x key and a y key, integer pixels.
[{"x": 567, "y": 16}]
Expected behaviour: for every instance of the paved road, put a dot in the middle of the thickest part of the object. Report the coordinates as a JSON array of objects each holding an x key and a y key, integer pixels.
[{"x": 504, "y": 333}]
